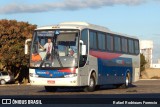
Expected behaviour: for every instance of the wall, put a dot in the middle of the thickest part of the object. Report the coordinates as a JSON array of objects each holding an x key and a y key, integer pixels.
[
  {"x": 155, "y": 66},
  {"x": 150, "y": 73}
]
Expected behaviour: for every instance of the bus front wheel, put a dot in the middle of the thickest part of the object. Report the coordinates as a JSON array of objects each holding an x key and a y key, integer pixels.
[
  {"x": 92, "y": 85},
  {"x": 50, "y": 88}
]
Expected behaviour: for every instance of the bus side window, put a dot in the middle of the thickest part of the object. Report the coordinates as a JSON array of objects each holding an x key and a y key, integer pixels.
[
  {"x": 117, "y": 44},
  {"x": 136, "y": 45},
  {"x": 84, "y": 38},
  {"x": 101, "y": 41},
  {"x": 131, "y": 46},
  {"x": 124, "y": 45},
  {"x": 109, "y": 42},
  {"x": 93, "y": 40}
]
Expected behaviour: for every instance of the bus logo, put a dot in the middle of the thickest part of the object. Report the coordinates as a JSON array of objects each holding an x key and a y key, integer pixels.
[{"x": 47, "y": 72}]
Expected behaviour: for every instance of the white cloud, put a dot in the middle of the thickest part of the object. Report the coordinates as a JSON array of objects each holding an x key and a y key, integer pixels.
[{"x": 64, "y": 5}]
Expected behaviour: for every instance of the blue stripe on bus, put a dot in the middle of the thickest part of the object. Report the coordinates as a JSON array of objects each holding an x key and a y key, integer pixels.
[
  {"x": 110, "y": 64},
  {"x": 51, "y": 73},
  {"x": 108, "y": 68}
]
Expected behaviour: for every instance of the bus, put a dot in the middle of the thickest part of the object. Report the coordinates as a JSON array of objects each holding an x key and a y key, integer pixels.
[{"x": 82, "y": 55}]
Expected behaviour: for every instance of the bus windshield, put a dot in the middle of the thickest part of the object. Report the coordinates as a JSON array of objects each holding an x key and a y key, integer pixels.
[{"x": 52, "y": 49}]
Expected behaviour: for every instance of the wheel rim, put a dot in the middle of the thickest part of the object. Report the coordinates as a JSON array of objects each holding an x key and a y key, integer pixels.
[
  {"x": 2, "y": 82},
  {"x": 127, "y": 81},
  {"x": 91, "y": 84}
]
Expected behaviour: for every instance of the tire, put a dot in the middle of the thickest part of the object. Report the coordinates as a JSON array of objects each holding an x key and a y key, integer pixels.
[
  {"x": 92, "y": 85},
  {"x": 127, "y": 82},
  {"x": 3, "y": 82},
  {"x": 50, "y": 89},
  {"x": 98, "y": 87}
]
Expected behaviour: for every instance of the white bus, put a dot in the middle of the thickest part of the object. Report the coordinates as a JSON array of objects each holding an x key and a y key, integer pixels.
[{"x": 79, "y": 54}]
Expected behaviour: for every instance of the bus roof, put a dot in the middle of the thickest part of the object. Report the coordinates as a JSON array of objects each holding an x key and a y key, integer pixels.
[{"x": 81, "y": 25}]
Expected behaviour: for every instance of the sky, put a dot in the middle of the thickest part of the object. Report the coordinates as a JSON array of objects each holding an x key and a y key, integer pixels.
[{"x": 140, "y": 18}]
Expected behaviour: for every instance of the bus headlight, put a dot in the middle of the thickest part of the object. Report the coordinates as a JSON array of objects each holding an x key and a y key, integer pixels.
[{"x": 70, "y": 75}]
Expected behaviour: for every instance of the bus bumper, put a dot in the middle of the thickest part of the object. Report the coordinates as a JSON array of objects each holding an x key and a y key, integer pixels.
[{"x": 54, "y": 81}]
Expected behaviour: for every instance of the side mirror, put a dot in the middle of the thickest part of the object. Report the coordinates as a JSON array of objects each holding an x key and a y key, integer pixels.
[
  {"x": 83, "y": 48},
  {"x": 83, "y": 51},
  {"x": 26, "y": 49},
  {"x": 26, "y": 46}
]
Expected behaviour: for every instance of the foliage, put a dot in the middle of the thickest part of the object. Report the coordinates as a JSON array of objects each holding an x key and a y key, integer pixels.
[
  {"x": 142, "y": 62},
  {"x": 12, "y": 38}
]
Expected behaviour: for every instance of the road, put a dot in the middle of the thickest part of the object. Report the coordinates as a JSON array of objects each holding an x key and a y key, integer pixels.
[{"x": 140, "y": 88}]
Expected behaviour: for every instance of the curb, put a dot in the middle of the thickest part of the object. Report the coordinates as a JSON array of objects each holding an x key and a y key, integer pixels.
[
  {"x": 15, "y": 84},
  {"x": 149, "y": 79}
]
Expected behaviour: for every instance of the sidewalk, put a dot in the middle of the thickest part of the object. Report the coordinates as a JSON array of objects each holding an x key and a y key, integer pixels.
[
  {"x": 149, "y": 79},
  {"x": 14, "y": 84}
]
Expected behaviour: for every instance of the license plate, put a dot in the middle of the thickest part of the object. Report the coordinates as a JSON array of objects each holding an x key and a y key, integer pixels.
[{"x": 51, "y": 82}]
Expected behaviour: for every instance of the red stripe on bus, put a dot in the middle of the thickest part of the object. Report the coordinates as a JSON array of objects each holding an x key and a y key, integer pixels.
[
  {"x": 104, "y": 55},
  {"x": 70, "y": 70}
]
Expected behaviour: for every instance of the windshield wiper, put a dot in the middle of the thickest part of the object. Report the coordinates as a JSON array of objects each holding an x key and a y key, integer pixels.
[
  {"x": 43, "y": 61},
  {"x": 57, "y": 55}
]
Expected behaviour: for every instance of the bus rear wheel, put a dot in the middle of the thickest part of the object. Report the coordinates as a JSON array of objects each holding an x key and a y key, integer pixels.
[
  {"x": 127, "y": 82},
  {"x": 50, "y": 88},
  {"x": 92, "y": 85}
]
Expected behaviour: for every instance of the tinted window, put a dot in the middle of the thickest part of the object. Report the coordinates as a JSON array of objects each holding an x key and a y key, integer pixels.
[
  {"x": 136, "y": 45},
  {"x": 131, "y": 46},
  {"x": 4, "y": 73},
  {"x": 117, "y": 44},
  {"x": 124, "y": 45},
  {"x": 101, "y": 41},
  {"x": 93, "y": 40},
  {"x": 84, "y": 37},
  {"x": 109, "y": 42}
]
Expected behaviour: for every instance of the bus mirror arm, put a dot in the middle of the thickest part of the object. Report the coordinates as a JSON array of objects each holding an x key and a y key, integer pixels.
[
  {"x": 26, "y": 45},
  {"x": 81, "y": 42}
]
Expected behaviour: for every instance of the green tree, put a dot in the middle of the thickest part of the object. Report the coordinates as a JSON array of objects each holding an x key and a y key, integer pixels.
[
  {"x": 12, "y": 38},
  {"x": 142, "y": 62}
]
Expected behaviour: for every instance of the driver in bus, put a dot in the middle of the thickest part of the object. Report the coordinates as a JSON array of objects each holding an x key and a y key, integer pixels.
[
  {"x": 71, "y": 53},
  {"x": 48, "y": 47}
]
